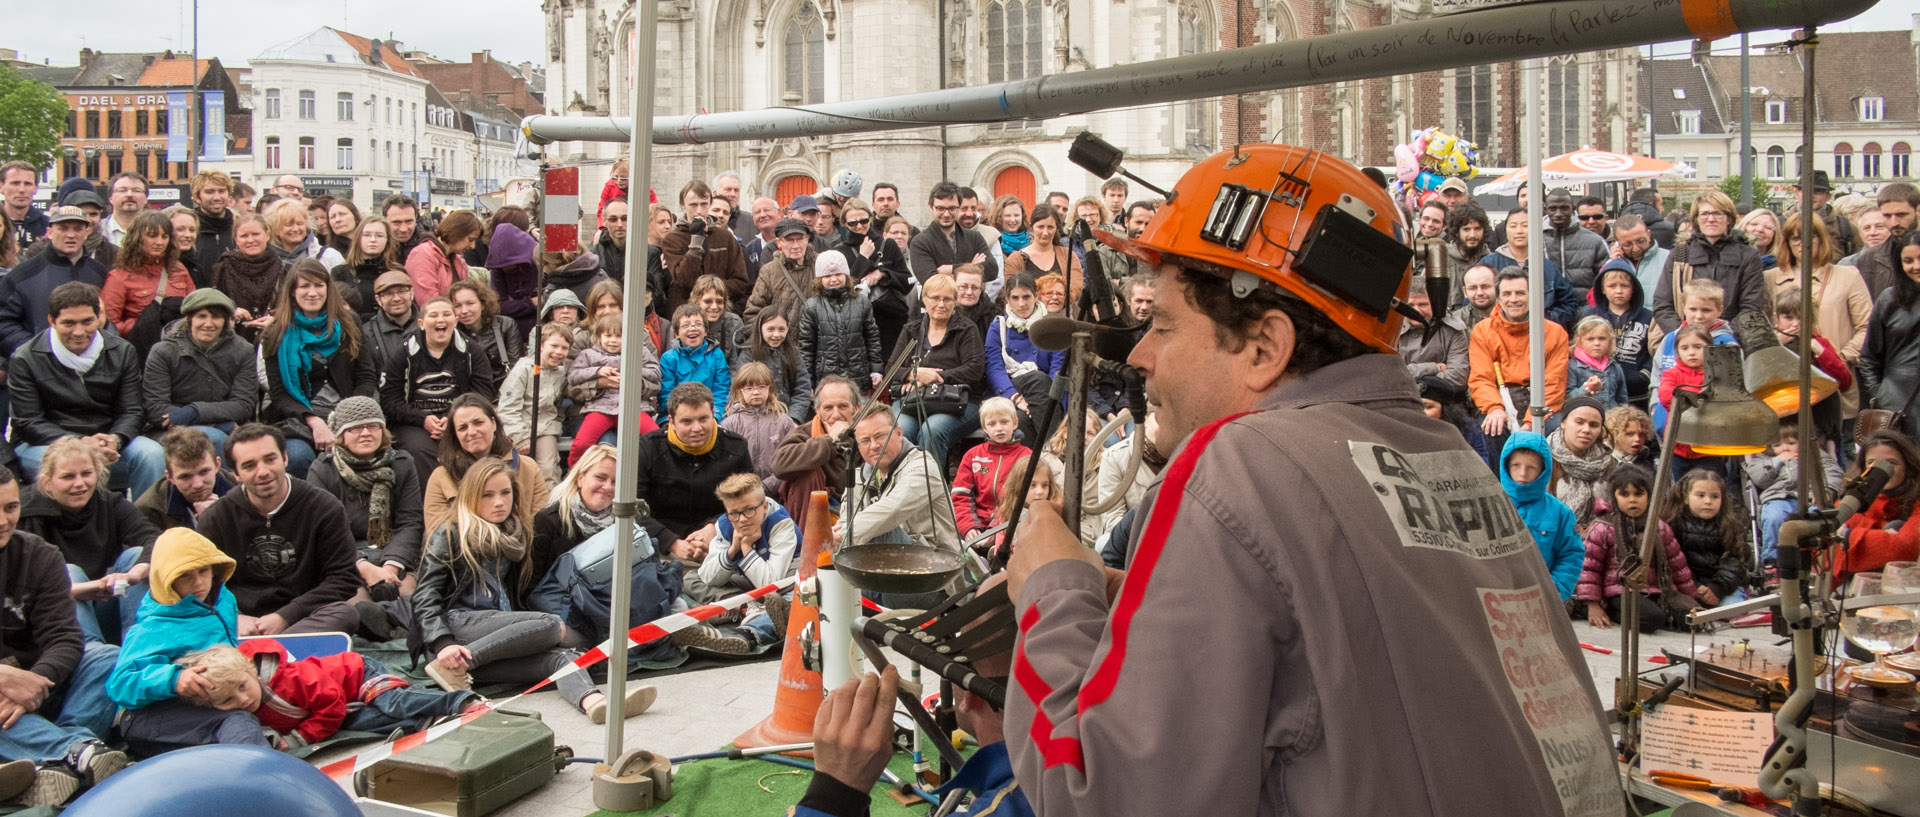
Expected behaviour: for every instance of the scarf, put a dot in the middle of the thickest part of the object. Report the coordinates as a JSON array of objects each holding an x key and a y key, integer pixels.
[
  {"x": 373, "y": 478},
  {"x": 249, "y": 280},
  {"x": 513, "y": 540},
  {"x": 1019, "y": 324},
  {"x": 82, "y": 362},
  {"x": 712, "y": 438},
  {"x": 1014, "y": 242},
  {"x": 306, "y": 249},
  {"x": 587, "y": 523},
  {"x": 299, "y": 344},
  {"x": 1583, "y": 474},
  {"x": 1588, "y": 359}
]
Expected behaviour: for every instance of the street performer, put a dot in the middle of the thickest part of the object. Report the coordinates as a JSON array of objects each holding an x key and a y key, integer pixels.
[{"x": 1389, "y": 640}]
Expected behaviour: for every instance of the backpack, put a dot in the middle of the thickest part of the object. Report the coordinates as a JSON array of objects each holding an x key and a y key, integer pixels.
[{"x": 579, "y": 589}]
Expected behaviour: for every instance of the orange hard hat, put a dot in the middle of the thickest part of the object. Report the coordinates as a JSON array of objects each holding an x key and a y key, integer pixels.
[{"x": 1293, "y": 217}]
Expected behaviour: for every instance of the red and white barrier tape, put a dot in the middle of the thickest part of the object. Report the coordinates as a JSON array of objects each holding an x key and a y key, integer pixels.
[{"x": 643, "y": 634}]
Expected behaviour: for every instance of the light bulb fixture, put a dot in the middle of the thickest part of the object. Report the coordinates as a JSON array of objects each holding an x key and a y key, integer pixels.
[{"x": 1726, "y": 419}]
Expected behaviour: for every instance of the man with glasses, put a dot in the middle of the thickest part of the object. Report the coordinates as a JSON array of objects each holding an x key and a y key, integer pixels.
[
  {"x": 392, "y": 319},
  {"x": 1634, "y": 242},
  {"x": 289, "y": 186},
  {"x": 127, "y": 195},
  {"x": 944, "y": 244},
  {"x": 899, "y": 497},
  {"x": 1579, "y": 252},
  {"x": 1592, "y": 213}
]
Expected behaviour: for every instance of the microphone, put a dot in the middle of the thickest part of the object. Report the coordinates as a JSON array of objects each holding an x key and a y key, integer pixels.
[{"x": 1861, "y": 492}]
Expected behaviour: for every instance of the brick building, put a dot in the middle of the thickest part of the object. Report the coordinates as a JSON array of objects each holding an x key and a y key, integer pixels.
[
  {"x": 117, "y": 117},
  {"x": 482, "y": 78}
]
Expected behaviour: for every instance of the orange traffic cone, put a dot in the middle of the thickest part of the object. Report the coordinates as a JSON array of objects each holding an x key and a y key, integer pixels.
[{"x": 798, "y": 697}]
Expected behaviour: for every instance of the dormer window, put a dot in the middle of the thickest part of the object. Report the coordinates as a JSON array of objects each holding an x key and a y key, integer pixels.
[
  {"x": 1679, "y": 93},
  {"x": 1872, "y": 108},
  {"x": 1689, "y": 122},
  {"x": 1776, "y": 111}
]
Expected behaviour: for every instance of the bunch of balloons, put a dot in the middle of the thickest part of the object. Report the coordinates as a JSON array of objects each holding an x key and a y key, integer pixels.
[{"x": 1424, "y": 163}]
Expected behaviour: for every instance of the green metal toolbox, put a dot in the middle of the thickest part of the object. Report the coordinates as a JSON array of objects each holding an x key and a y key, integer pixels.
[{"x": 476, "y": 769}]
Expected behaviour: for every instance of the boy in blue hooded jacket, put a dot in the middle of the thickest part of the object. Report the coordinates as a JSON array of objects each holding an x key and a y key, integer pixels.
[
  {"x": 695, "y": 358},
  {"x": 188, "y": 609},
  {"x": 1526, "y": 469}
]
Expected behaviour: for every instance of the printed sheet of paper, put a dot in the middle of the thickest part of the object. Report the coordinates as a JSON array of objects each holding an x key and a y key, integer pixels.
[{"x": 1725, "y": 747}]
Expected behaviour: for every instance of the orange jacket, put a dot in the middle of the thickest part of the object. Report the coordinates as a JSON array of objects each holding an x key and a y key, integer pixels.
[
  {"x": 1870, "y": 546},
  {"x": 1498, "y": 340}
]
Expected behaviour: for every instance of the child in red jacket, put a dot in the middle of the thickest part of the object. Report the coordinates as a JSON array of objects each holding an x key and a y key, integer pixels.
[
  {"x": 1689, "y": 370},
  {"x": 615, "y": 188},
  {"x": 976, "y": 488},
  {"x": 1886, "y": 531},
  {"x": 307, "y": 701}
]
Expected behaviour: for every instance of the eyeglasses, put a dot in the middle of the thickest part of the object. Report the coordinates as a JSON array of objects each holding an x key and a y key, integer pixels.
[
  {"x": 939, "y": 299},
  {"x": 1710, "y": 214},
  {"x": 743, "y": 512},
  {"x": 859, "y": 222},
  {"x": 946, "y": 208}
]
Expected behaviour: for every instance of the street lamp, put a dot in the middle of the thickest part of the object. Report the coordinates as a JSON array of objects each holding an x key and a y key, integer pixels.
[{"x": 428, "y": 166}]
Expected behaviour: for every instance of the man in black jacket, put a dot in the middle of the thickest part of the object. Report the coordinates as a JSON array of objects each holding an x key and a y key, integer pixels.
[
  {"x": 294, "y": 555},
  {"x": 679, "y": 474},
  {"x": 53, "y": 688},
  {"x": 944, "y": 244},
  {"x": 612, "y": 246},
  {"x": 212, "y": 197},
  {"x": 195, "y": 479},
  {"x": 77, "y": 380},
  {"x": 200, "y": 375},
  {"x": 24, "y": 291},
  {"x": 96, "y": 245}
]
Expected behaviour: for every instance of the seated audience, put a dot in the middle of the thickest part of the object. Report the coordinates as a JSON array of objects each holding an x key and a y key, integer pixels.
[
  {"x": 595, "y": 376},
  {"x": 310, "y": 700},
  {"x": 472, "y": 606},
  {"x": 290, "y": 540},
  {"x": 435, "y": 264},
  {"x": 1622, "y": 304},
  {"x": 370, "y": 257},
  {"x": 695, "y": 358},
  {"x": 102, "y": 535},
  {"x": 498, "y": 338},
  {"x": 899, "y": 497},
  {"x": 760, "y": 418},
  {"x": 680, "y": 467},
  {"x": 1886, "y": 530},
  {"x": 74, "y": 380},
  {"x": 435, "y": 366},
  {"x": 810, "y": 458},
  {"x": 474, "y": 433},
  {"x": 536, "y": 423},
  {"x": 1712, "y": 532},
  {"x": 147, "y": 256},
  {"x": 1113, "y": 467},
  {"x": 191, "y": 607},
  {"x": 195, "y": 477},
  {"x": 200, "y": 375},
  {"x": 313, "y": 355},
  {"x": 1630, "y": 437},
  {"x": 1614, "y": 534},
  {"x": 755, "y": 544},
  {"x": 1526, "y": 469},
  {"x": 393, "y": 318},
  {"x": 251, "y": 275},
  {"x": 984, "y": 468},
  {"x": 1016, "y": 369},
  {"x": 1775, "y": 477},
  {"x": 950, "y": 354},
  {"x": 378, "y": 484},
  {"x": 53, "y": 682},
  {"x": 773, "y": 345},
  {"x": 1581, "y": 460}
]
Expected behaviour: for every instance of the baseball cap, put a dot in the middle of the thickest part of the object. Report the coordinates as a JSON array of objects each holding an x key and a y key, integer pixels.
[
  {"x": 391, "y": 278},
  {"x": 82, "y": 198},
  {"x": 791, "y": 226},
  {"x": 1454, "y": 183},
  {"x": 67, "y": 213},
  {"x": 804, "y": 204}
]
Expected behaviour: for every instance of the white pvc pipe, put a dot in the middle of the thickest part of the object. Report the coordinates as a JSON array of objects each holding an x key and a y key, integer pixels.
[
  {"x": 1499, "y": 34},
  {"x": 1534, "y": 135},
  {"x": 839, "y": 605}
]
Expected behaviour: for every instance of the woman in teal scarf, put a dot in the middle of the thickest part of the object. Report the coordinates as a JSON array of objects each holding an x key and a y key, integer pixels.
[{"x": 312, "y": 352}]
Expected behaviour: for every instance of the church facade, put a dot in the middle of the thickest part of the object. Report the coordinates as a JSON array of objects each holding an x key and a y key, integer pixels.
[{"x": 729, "y": 55}]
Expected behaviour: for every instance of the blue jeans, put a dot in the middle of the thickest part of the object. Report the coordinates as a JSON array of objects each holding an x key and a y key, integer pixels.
[
  {"x": 299, "y": 457},
  {"x": 79, "y": 711},
  {"x": 176, "y": 723},
  {"x": 116, "y": 613},
  {"x": 1773, "y": 514},
  {"x": 148, "y": 460},
  {"x": 30, "y": 456},
  {"x": 409, "y": 707},
  {"x": 938, "y": 432}
]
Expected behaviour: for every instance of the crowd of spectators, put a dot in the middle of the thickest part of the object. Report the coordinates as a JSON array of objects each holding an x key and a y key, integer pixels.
[{"x": 255, "y": 418}]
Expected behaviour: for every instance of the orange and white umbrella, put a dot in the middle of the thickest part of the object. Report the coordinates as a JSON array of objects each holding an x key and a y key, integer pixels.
[{"x": 1589, "y": 166}]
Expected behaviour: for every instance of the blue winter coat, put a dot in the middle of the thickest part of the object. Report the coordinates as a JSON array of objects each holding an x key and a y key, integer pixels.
[
  {"x": 1021, "y": 350},
  {"x": 1613, "y": 382},
  {"x": 706, "y": 364},
  {"x": 1630, "y": 330},
  {"x": 1550, "y": 521},
  {"x": 146, "y": 673}
]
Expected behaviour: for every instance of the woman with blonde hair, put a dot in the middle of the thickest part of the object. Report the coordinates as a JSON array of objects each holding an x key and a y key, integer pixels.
[
  {"x": 1713, "y": 252},
  {"x": 952, "y": 363},
  {"x": 101, "y": 535},
  {"x": 291, "y": 228},
  {"x": 473, "y": 603},
  {"x": 250, "y": 274}
]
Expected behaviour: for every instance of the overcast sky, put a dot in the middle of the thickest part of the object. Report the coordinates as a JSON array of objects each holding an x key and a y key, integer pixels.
[{"x": 236, "y": 30}]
